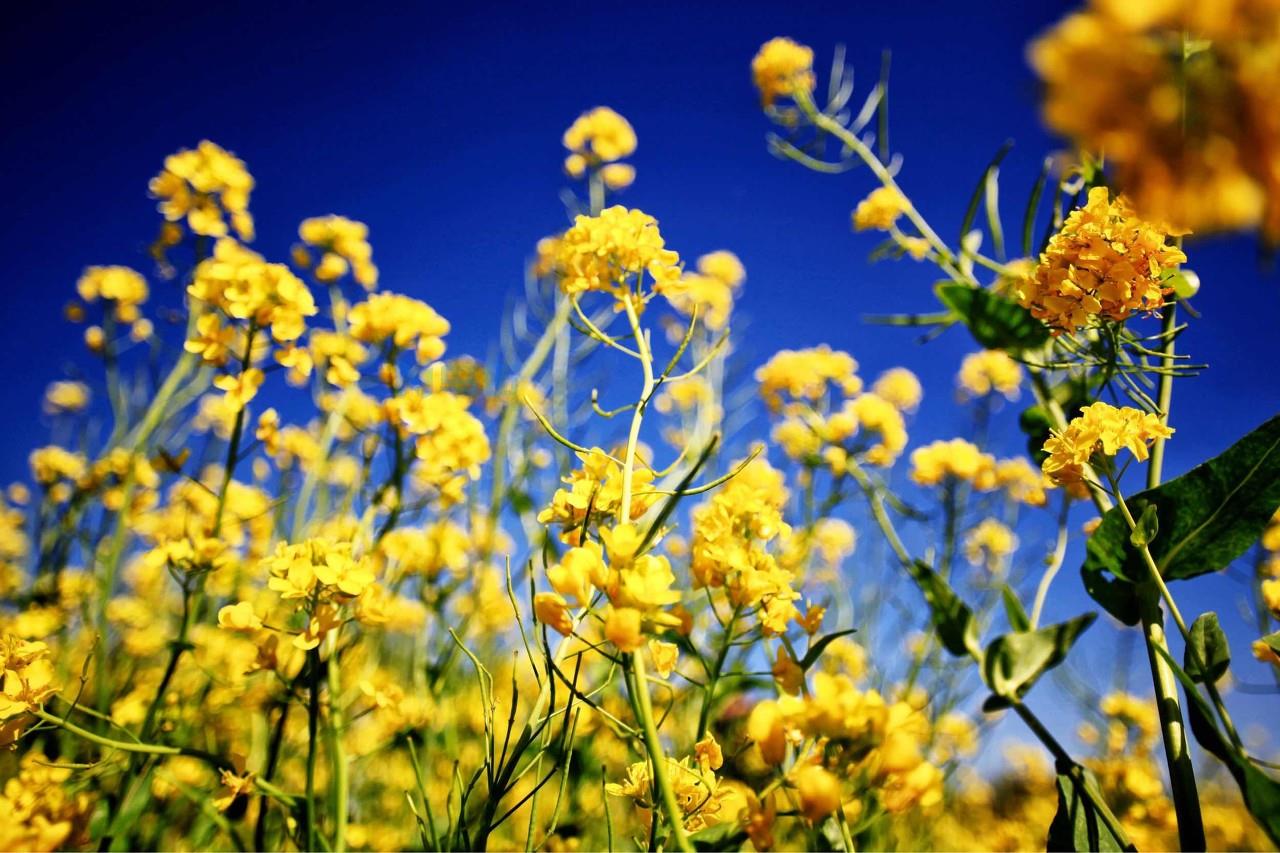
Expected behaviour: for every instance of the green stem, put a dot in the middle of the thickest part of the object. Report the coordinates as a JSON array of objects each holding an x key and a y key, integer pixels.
[
  {"x": 644, "y": 708},
  {"x": 313, "y": 726}
]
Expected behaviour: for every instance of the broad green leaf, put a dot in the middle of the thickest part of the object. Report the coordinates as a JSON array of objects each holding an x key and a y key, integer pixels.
[
  {"x": 1078, "y": 824},
  {"x": 1014, "y": 610},
  {"x": 1210, "y": 646},
  {"x": 994, "y": 321},
  {"x": 817, "y": 647},
  {"x": 1207, "y": 517},
  {"x": 953, "y": 620},
  {"x": 1014, "y": 662}
]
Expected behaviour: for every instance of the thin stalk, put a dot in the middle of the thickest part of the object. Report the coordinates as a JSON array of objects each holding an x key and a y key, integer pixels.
[{"x": 644, "y": 707}]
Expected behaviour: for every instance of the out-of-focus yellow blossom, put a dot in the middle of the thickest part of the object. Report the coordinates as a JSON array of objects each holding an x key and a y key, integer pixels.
[
  {"x": 242, "y": 284},
  {"x": 52, "y": 464},
  {"x": 989, "y": 544},
  {"x": 711, "y": 290},
  {"x": 66, "y": 397},
  {"x": 807, "y": 375},
  {"x": 205, "y": 186},
  {"x": 1104, "y": 263},
  {"x": 241, "y": 388},
  {"x": 879, "y": 210},
  {"x": 213, "y": 339},
  {"x": 601, "y": 135},
  {"x": 1270, "y": 592},
  {"x": 239, "y": 617},
  {"x": 900, "y": 387},
  {"x": 37, "y": 812},
  {"x": 449, "y": 441},
  {"x": 875, "y": 414},
  {"x": 403, "y": 321},
  {"x": 1100, "y": 428},
  {"x": 618, "y": 176},
  {"x": 782, "y": 68},
  {"x": 1180, "y": 98},
  {"x": 818, "y": 789},
  {"x": 26, "y": 681},
  {"x": 343, "y": 243},
  {"x": 124, "y": 288},
  {"x": 987, "y": 371},
  {"x": 1022, "y": 481},
  {"x": 610, "y": 252},
  {"x": 1263, "y": 651},
  {"x": 957, "y": 458},
  {"x": 340, "y": 356}
]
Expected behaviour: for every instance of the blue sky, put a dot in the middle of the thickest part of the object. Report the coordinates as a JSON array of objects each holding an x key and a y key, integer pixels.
[{"x": 439, "y": 125}]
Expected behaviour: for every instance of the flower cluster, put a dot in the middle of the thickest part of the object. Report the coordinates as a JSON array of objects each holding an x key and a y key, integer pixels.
[
  {"x": 781, "y": 69},
  {"x": 124, "y": 288},
  {"x": 879, "y": 210},
  {"x": 597, "y": 139},
  {"x": 1181, "y": 98},
  {"x": 595, "y": 494},
  {"x": 37, "y": 812},
  {"x": 244, "y": 286},
  {"x": 343, "y": 245},
  {"x": 987, "y": 371},
  {"x": 1100, "y": 428},
  {"x": 710, "y": 291},
  {"x": 206, "y": 186},
  {"x": 26, "y": 681},
  {"x": 612, "y": 251},
  {"x": 401, "y": 321},
  {"x": 1104, "y": 263}
]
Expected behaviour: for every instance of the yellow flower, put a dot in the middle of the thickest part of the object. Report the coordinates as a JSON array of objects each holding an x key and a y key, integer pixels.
[
  {"x": 612, "y": 251},
  {"x": 1104, "y": 263},
  {"x": 806, "y": 375},
  {"x": 212, "y": 341},
  {"x": 622, "y": 627},
  {"x": 26, "y": 676},
  {"x": 345, "y": 245},
  {"x": 879, "y": 210},
  {"x": 782, "y": 68},
  {"x": 241, "y": 388},
  {"x": 403, "y": 321},
  {"x": 900, "y": 387},
  {"x": 205, "y": 186},
  {"x": 818, "y": 789},
  {"x": 552, "y": 610},
  {"x": 124, "y": 288},
  {"x": 66, "y": 397},
  {"x": 239, "y": 617},
  {"x": 957, "y": 458},
  {"x": 710, "y": 291},
  {"x": 601, "y": 134},
  {"x": 1100, "y": 428},
  {"x": 990, "y": 370},
  {"x": 1193, "y": 139},
  {"x": 665, "y": 656},
  {"x": 618, "y": 176},
  {"x": 989, "y": 544},
  {"x": 574, "y": 575},
  {"x": 241, "y": 283}
]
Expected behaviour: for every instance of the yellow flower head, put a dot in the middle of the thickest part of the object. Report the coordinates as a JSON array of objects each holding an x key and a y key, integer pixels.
[
  {"x": 402, "y": 320},
  {"x": 612, "y": 251},
  {"x": 879, "y": 210},
  {"x": 989, "y": 544},
  {"x": 710, "y": 291},
  {"x": 990, "y": 370},
  {"x": 123, "y": 287},
  {"x": 66, "y": 397},
  {"x": 345, "y": 245},
  {"x": 205, "y": 186},
  {"x": 1104, "y": 263},
  {"x": 957, "y": 458},
  {"x": 900, "y": 387},
  {"x": 1100, "y": 428},
  {"x": 245, "y": 287},
  {"x": 602, "y": 135},
  {"x": 806, "y": 375},
  {"x": 782, "y": 68}
]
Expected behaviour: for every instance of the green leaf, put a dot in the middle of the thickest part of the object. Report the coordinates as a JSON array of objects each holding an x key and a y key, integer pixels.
[
  {"x": 1033, "y": 203},
  {"x": 994, "y": 321},
  {"x": 1014, "y": 662},
  {"x": 1273, "y": 642},
  {"x": 1207, "y": 518},
  {"x": 1210, "y": 646},
  {"x": 953, "y": 620},
  {"x": 1014, "y": 610},
  {"x": 981, "y": 189},
  {"x": 816, "y": 648},
  {"x": 1079, "y": 825}
]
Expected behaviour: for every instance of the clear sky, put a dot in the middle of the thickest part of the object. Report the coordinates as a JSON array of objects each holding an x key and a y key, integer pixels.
[{"x": 439, "y": 125}]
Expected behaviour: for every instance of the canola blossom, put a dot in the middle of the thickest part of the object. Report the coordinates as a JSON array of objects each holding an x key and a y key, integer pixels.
[{"x": 289, "y": 573}]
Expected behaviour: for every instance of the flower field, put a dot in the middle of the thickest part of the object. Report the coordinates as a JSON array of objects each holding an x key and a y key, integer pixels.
[{"x": 290, "y": 572}]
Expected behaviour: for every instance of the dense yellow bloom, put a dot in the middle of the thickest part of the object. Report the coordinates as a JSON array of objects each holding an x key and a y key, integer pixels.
[
  {"x": 1104, "y": 263},
  {"x": 339, "y": 354},
  {"x": 450, "y": 442},
  {"x": 602, "y": 135},
  {"x": 403, "y": 321},
  {"x": 52, "y": 464},
  {"x": 244, "y": 286},
  {"x": 213, "y": 339},
  {"x": 318, "y": 567},
  {"x": 241, "y": 388},
  {"x": 66, "y": 397},
  {"x": 710, "y": 291},
  {"x": 990, "y": 370},
  {"x": 699, "y": 796},
  {"x": 204, "y": 186},
  {"x": 900, "y": 387},
  {"x": 806, "y": 375},
  {"x": 1022, "y": 481},
  {"x": 875, "y": 414},
  {"x": 1194, "y": 140},
  {"x": 26, "y": 681},
  {"x": 124, "y": 288},
  {"x": 612, "y": 251},
  {"x": 782, "y": 68},
  {"x": 818, "y": 789},
  {"x": 37, "y": 812},
  {"x": 597, "y": 485},
  {"x": 879, "y": 210},
  {"x": 933, "y": 463},
  {"x": 989, "y": 544},
  {"x": 1100, "y": 428},
  {"x": 344, "y": 243}
]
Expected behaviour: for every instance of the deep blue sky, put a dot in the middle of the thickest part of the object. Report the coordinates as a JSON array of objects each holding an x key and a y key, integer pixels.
[{"x": 439, "y": 125}]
